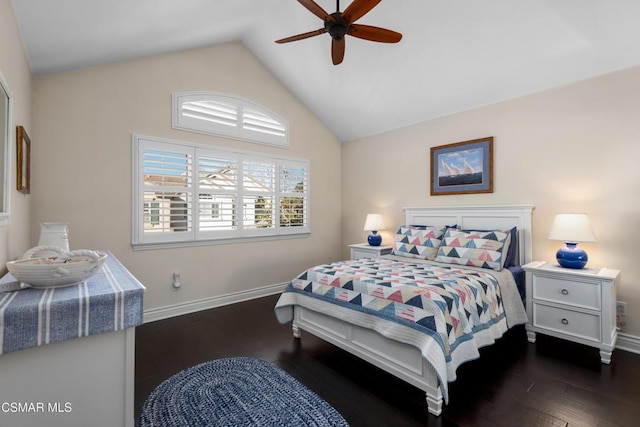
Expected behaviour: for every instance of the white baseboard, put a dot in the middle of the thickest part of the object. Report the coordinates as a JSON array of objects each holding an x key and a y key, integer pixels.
[
  {"x": 154, "y": 314},
  {"x": 628, "y": 342},
  {"x": 625, "y": 341}
]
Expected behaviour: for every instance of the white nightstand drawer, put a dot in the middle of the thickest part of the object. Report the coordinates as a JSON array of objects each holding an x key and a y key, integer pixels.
[
  {"x": 364, "y": 250},
  {"x": 359, "y": 253},
  {"x": 578, "y": 294},
  {"x": 569, "y": 322}
]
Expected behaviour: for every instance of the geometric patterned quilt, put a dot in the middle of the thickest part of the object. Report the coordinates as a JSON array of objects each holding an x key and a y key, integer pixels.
[
  {"x": 447, "y": 311},
  {"x": 448, "y": 303}
]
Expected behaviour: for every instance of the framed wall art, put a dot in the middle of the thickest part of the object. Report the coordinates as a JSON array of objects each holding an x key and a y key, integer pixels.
[
  {"x": 462, "y": 168},
  {"x": 24, "y": 161}
]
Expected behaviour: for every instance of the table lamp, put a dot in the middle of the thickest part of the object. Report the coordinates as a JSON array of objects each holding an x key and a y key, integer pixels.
[
  {"x": 571, "y": 229},
  {"x": 374, "y": 223}
]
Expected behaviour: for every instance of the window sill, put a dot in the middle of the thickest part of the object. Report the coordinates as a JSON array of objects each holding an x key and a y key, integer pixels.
[{"x": 231, "y": 240}]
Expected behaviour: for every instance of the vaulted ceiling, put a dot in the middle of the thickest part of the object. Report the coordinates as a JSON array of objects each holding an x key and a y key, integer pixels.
[{"x": 454, "y": 55}]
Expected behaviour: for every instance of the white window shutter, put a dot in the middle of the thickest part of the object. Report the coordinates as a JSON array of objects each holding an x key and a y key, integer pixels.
[
  {"x": 229, "y": 116},
  {"x": 164, "y": 193},
  {"x": 186, "y": 193}
]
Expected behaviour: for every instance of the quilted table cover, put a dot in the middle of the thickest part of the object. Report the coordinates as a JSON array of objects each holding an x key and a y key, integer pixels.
[{"x": 110, "y": 300}]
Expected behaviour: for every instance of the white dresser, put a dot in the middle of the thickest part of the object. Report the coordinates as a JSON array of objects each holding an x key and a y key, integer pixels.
[
  {"x": 67, "y": 355},
  {"x": 576, "y": 305}
]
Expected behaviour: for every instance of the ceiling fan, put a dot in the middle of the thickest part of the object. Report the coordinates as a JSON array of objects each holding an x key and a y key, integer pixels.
[{"x": 339, "y": 24}]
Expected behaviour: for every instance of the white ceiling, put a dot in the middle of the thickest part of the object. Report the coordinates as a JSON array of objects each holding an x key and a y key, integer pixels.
[{"x": 455, "y": 54}]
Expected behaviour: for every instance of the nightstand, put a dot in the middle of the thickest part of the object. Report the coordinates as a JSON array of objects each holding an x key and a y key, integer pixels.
[
  {"x": 363, "y": 250},
  {"x": 576, "y": 305}
]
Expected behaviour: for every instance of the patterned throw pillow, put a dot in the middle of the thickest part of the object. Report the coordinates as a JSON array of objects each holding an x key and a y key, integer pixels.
[
  {"x": 417, "y": 241},
  {"x": 485, "y": 249}
]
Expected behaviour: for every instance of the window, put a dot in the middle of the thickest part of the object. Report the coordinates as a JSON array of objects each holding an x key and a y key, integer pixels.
[
  {"x": 196, "y": 194},
  {"x": 229, "y": 116},
  {"x": 152, "y": 213}
]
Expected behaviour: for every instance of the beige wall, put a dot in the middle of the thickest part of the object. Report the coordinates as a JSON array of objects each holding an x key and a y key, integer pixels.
[
  {"x": 574, "y": 148},
  {"x": 83, "y": 121},
  {"x": 571, "y": 149},
  {"x": 15, "y": 238}
]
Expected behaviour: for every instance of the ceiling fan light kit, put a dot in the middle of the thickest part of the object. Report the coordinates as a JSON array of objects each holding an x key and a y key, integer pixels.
[{"x": 339, "y": 24}]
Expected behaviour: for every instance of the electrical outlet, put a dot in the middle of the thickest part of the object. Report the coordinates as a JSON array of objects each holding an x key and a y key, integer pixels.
[
  {"x": 621, "y": 308},
  {"x": 176, "y": 281},
  {"x": 621, "y": 315}
]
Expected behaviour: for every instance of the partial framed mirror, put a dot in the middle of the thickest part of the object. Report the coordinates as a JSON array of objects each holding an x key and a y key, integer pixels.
[
  {"x": 5, "y": 149},
  {"x": 23, "y": 173}
]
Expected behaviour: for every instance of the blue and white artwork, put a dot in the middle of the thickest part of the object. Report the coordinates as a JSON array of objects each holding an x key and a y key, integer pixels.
[
  {"x": 460, "y": 168},
  {"x": 463, "y": 167}
]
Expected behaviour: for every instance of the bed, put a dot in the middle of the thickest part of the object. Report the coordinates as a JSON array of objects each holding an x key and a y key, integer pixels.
[{"x": 435, "y": 314}]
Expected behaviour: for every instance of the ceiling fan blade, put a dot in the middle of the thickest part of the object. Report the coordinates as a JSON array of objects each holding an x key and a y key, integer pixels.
[
  {"x": 357, "y": 9},
  {"x": 374, "y": 34},
  {"x": 337, "y": 50},
  {"x": 316, "y": 10},
  {"x": 302, "y": 36}
]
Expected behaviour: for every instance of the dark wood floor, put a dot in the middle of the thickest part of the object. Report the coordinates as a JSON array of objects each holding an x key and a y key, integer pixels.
[{"x": 514, "y": 383}]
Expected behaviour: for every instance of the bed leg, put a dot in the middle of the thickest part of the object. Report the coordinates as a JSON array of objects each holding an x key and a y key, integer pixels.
[
  {"x": 296, "y": 331},
  {"x": 434, "y": 404},
  {"x": 605, "y": 356},
  {"x": 531, "y": 336}
]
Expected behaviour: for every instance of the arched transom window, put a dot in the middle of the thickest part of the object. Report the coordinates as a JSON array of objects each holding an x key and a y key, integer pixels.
[{"x": 229, "y": 116}]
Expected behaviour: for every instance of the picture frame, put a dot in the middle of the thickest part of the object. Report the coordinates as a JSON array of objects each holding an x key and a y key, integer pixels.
[
  {"x": 24, "y": 160},
  {"x": 462, "y": 168}
]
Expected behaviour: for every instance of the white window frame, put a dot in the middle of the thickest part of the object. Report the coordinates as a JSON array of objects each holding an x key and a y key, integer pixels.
[
  {"x": 244, "y": 120},
  {"x": 142, "y": 240}
]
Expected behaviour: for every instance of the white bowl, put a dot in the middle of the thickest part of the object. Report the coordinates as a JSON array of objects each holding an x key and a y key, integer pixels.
[{"x": 67, "y": 269}]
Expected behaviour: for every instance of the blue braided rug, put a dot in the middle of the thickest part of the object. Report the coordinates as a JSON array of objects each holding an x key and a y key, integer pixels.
[{"x": 239, "y": 391}]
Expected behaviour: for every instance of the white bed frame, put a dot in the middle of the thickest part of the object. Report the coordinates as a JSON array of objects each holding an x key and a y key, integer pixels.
[{"x": 399, "y": 359}]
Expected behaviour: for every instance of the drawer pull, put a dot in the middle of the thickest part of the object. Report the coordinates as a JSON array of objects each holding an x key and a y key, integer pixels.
[
  {"x": 564, "y": 321},
  {"x": 564, "y": 292}
]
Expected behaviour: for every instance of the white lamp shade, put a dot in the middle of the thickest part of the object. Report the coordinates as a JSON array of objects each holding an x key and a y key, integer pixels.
[
  {"x": 572, "y": 228},
  {"x": 374, "y": 222}
]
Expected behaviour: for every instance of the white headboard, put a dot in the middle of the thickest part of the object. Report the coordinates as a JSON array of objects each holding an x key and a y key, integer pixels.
[{"x": 498, "y": 217}]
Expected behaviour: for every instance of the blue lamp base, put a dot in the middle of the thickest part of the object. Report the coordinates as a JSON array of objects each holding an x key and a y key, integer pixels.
[
  {"x": 571, "y": 256},
  {"x": 374, "y": 239}
]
